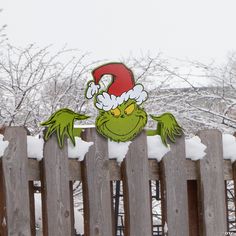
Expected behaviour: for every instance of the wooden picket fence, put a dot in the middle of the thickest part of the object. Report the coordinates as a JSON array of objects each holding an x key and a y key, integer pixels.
[{"x": 193, "y": 192}]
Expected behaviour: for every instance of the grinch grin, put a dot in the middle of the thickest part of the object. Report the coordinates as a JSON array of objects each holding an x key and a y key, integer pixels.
[
  {"x": 122, "y": 123},
  {"x": 123, "y": 133}
]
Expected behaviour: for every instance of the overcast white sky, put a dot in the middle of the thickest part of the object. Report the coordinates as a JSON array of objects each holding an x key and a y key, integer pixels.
[{"x": 195, "y": 29}]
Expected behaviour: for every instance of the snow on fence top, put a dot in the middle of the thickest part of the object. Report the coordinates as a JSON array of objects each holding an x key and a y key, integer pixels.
[{"x": 195, "y": 150}]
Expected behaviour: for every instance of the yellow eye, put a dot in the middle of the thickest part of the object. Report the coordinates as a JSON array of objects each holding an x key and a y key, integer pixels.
[
  {"x": 129, "y": 109},
  {"x": 115, "y": 112}
]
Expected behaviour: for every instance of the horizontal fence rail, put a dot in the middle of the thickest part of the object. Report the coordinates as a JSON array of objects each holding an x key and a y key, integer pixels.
[
  {"x": 193, "y": 192},
  {"x": 154, "y": 170}
]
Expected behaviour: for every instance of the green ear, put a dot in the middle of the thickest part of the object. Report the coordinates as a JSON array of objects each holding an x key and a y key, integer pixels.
[
  {"x": 167, "y": 127},
  {"x": 62, "y": 122}
]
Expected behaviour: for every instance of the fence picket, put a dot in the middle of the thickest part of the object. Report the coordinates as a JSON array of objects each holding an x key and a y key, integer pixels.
[
  {"x": 136, "y": 189},
  {"x": 174, "y": 191},
  {"x": 96, "y": 187},
  {"x": 211, "y": 185},
  {"x": 193, "y": 208},
  {"x": 234, "y": 181},
  {"x": 3, "y": 228},
  {"x": 56, "y": 190},
  {"x": 15, "y": 175},
  {"x": 72, "y": 209},
  {"x": 32, "y": 208}
]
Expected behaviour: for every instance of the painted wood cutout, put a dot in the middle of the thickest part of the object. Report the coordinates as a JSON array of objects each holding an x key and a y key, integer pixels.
[{"x": 121, "y": 116}]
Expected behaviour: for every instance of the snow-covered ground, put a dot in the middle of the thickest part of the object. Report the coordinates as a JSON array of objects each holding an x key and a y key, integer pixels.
[{"x": 79, "y": 219}]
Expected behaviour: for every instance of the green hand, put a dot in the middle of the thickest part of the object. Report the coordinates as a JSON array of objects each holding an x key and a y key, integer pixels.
[
  {"x": 167, "y": 127},
  {"x": 62, "y": 121}
]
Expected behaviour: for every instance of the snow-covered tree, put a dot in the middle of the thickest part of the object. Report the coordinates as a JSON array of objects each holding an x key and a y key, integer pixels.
[
  {"x": 3, "y": 35},
  {"x": 34, "y": 83},
  {"x": 174, "y": 86}
]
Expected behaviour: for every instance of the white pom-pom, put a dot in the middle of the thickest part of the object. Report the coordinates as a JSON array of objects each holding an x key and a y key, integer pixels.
[{"x": 92, "y": 89}]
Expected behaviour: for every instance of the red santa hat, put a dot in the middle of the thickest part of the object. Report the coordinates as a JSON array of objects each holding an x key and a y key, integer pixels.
[{"x": 121, "y": 89}]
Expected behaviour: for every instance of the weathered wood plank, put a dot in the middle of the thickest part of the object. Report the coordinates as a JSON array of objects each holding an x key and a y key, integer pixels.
[
  {"x": 154, "y": 169},
  {"x": 114, "y": 215},
  {"x": 211, "y": 185},
  {"x": 136, "y": 189},
  {"x": 32, "y": 208},
  {"x": 56, "y": 190},
  {"x": 227, "y": 207},
  {"x": 193, "y": 208},
  {"x": 15, "y": 171},
  {"x": 115, "y": 170},
  {"x": 96, "y": 187},
  {"x": 234, "y": 179},
  {"x": 74, "y": 170},
  {"x": 73, "y": 232},
  {"x": 3, "y": 228},
  {"x": 174, "y": 190},
  {"x": 191, "y": 170},
  {"x": 34, "y": 170},
  {"x": 228, "y": 170}
]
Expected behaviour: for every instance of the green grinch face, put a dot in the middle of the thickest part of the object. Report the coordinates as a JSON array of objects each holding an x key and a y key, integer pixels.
[{"x": 122, "y": 123}]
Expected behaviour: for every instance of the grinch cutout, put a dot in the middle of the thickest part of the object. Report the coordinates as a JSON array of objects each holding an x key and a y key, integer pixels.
[{"x": 121, "y": 117}]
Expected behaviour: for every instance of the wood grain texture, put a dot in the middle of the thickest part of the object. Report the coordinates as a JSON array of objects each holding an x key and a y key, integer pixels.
[
  {"x": 211, "y": 185},
  {"x": 174, "y": 190},
  {"x": 73, "y": 231},
  {"x": 32, "y": 208},
  {"x": 234, "y": 179},
  {"x": 227, "y": 207},
  {"x": 56, "y": 190},
  {"x": 74, "y": 170},
  {"x": 15, "y": 172},
  {"x": 193, "y": 208},
  {"x": 138, "y": 220},
  {"x": 33, "y": 170},
  {"x": 3, "y": 226},
  {"x": 96, "y": 187},
  {"x": 154, "y": 169},
  {"x": 115, "y": 170},
  {"x": 56, "y": 171},
  {"x": 228, "y": 170}
]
